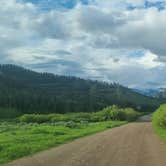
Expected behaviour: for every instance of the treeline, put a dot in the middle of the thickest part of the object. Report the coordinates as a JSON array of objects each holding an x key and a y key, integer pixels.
[{"x": 31, "y": 92}]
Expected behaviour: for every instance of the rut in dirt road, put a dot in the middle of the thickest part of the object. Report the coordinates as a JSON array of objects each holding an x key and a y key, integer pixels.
[{"x": 134, "y": 144}]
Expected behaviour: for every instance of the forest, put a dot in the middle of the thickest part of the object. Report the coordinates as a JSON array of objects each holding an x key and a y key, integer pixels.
[{"x": 23, "y": 91}]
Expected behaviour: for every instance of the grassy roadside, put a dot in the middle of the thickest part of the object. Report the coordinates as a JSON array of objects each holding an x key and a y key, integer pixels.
[
  {"x": 161, "y": 132},
  {"x": 18, "y": 140},
  {"x": 159, "y": 121}
]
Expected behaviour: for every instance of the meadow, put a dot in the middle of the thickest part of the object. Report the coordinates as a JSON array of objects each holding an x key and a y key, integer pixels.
[
  {"x": 22, "y": 139},
  {"x": 31, "y": 133}
]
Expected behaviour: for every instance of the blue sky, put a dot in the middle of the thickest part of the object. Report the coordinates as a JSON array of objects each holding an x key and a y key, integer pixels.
[
  {"x": 69, "y": 4},
  {"x": 160, "y": 5},
  {"x": 110, "y": 40},
  {"x": 55, "y": 4},
  {"x": 51, "y": 4}
]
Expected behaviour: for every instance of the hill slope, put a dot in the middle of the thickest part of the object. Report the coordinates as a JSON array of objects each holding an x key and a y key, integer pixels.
[{"x": 32, "y": 92}]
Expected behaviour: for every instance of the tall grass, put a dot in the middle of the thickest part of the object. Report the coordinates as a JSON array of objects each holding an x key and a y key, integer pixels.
[{"x": 159, "y": 121}]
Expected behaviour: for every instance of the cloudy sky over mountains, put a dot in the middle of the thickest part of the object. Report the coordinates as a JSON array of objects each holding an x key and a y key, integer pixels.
[{"x": 109, "y": 40}]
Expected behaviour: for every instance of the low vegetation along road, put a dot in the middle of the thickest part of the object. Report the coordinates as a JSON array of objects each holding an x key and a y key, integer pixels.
[{"x": 134, "y": 144}]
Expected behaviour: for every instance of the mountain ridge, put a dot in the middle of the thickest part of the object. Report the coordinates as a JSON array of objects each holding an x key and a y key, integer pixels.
[{"x": 33, "y": 92}]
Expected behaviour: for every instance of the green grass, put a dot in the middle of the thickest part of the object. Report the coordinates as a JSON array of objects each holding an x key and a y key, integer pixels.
[
  {"x": 21, "y": 139},
  {"x": 159, "y": 121},
  {"x": 161, "y": 132}
]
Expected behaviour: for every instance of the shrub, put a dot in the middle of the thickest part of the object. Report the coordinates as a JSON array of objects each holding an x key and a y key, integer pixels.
[
  {"x": 159, "y": 117},
  {"x": 108, "y": 113},
  {"x": 116, "y": 113},
  {"x": 131, "y": 114},
  {"x": 97, "y": 117},
  {"x": 34, "y": 118},
  {"x": 71, "y": 124},
  {"x": 75, "y": 117},
  {"x": 84, "y": 123}
]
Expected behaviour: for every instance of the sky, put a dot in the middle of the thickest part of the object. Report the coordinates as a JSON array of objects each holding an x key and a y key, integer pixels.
[{"x": 107, "y": 40}]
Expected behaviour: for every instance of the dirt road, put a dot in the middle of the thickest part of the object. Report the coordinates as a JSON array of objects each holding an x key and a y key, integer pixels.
[{"x": 134, "y": 144}]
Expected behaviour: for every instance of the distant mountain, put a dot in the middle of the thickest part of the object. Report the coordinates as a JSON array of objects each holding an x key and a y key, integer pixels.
[
  {"x": 33, "y": 92},
  {"x": 161, "y": 94},
  {"x": 147, "y": 92},
  {"x": 152, "y": 92}
]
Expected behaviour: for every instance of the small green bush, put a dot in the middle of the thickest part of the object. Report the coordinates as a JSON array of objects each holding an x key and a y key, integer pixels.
[
  {"x": 115, "y": 113},
  {"x": 131, "y": 114},
  {"x": 71, "y": 124},
  {"x": 35, "y": 118}
]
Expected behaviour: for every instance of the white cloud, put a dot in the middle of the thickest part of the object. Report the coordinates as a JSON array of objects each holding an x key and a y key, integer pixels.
[
  {"x": 149, "y": 60},
  {"x": 92, "y": 41}
]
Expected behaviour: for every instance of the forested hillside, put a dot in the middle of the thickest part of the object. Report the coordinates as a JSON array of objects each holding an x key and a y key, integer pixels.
[{"x": 31, "y": 92}]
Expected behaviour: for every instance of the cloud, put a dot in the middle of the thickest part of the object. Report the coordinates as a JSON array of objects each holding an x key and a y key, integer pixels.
[
  {"x": 149, "y": 60},
  {"x": 50, "y": 25},
  {"x": 95, "y": 39},
  {"x": 93, "y": 19},
  {"x": 65, "y": 67}
]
